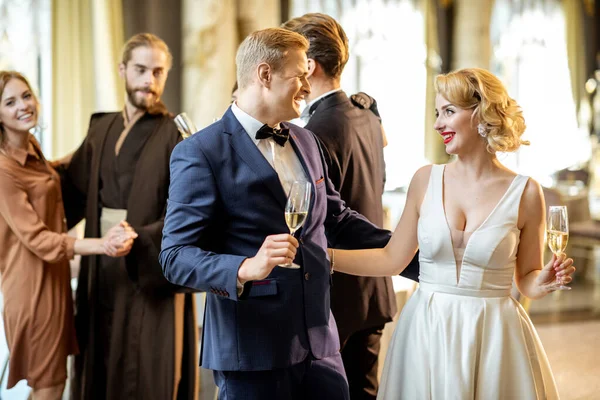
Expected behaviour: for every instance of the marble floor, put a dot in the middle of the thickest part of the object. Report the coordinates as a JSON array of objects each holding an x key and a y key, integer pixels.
[
  {"x": 568, "y": 324},
  {"x": 573, "y": 352}
]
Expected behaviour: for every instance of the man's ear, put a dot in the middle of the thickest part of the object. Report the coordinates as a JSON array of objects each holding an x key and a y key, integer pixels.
[
  {"x": 312, "y": 66},
  {"x": 122, "y": 68},
  {"x": 265, "y": 74}
]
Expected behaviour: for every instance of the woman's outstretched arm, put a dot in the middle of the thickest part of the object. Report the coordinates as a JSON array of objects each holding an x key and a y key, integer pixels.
[{"x": 392, "y": 259}]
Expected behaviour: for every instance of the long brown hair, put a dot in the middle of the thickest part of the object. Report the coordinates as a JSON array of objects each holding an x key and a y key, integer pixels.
[
  {"x": 7, "y": 76},
  {"x": 145, "y": 40}
]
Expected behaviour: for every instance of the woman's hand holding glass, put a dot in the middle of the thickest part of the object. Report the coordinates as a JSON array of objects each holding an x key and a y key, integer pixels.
[
  {"x": 557, "y": 236},
  {"x": 556, "y": 274}
]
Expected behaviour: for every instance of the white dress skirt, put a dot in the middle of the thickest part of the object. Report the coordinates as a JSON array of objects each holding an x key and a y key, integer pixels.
[{"x": 461, "y": 335}]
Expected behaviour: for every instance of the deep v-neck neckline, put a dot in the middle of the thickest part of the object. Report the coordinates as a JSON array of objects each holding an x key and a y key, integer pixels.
[{"x": 474, "y": 232}]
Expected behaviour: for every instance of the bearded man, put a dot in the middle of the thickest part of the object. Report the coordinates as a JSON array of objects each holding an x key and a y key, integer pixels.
[{"x": 136, "y": 332}]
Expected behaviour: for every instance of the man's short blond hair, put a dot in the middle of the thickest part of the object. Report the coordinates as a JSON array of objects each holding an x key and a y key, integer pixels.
[{"x": 268, "y": 46}]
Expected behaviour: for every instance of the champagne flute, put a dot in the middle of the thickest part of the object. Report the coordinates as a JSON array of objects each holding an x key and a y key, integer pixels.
[
  {"x": 296, "y": 209},
  {"x": 557, "y": 234},
  {"x": 185, "y": 125}
]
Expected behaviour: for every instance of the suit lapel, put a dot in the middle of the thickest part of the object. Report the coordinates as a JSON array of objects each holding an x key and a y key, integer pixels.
[
  {"x": 300, "y": 151},
  {"x": 251, "y": 155},
  {"x": 300, "y": 147},
  {"x": 140, "y": 173},
  {"x": 104, "y": 127}
]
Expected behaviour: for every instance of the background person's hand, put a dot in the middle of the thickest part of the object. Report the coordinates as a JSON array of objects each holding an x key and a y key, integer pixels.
[{"x": 363, "y": 100}]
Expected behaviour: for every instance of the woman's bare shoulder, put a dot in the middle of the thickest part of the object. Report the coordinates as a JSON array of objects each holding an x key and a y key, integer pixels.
[
  {"x": 533, "y": 193},
  {"x": 419, "y": 183},
  {"x": 532, "y": 205},
  {"x": 422, "y": 175}
]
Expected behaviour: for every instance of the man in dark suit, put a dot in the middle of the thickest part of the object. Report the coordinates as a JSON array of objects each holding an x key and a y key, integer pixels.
[
  {"x": 353, "y": 140},
  {"x": 268, "y": 330}
]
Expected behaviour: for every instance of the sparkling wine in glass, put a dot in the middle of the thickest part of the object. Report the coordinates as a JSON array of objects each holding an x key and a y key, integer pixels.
[
  {"x": 185, "y": 125},
  {"x": 557, "y": 235},
  {"x": 296, "y": 208}
]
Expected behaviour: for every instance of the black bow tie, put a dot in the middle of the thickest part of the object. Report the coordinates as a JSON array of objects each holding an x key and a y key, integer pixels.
[{"x": 280, "y": 136}]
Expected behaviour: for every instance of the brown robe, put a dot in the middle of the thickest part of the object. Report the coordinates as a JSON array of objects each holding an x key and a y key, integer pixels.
[{"x": 137, "y": 333}]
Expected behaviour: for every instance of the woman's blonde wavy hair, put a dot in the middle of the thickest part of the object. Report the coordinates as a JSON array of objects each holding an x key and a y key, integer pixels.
[{"x": 481, "y": 91}]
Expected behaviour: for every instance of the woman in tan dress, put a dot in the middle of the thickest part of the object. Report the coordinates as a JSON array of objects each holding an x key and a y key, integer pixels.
[{"x": 35, "y": 249}]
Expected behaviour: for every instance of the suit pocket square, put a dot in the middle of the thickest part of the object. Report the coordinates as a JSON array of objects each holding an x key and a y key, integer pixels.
[
  {"x": 320, "y": 180},
  {"x": 267, "y": 287}
]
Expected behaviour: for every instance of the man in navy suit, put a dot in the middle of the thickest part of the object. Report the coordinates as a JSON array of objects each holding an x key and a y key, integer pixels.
[{"x": 268, "y": 330}]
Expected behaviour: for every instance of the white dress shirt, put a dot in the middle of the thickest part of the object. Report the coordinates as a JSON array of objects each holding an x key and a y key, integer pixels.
[{"x": 283, "y": 159}]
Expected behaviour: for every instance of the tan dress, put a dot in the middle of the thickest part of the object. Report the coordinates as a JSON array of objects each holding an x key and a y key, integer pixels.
[{"x": 34, "y": 269}]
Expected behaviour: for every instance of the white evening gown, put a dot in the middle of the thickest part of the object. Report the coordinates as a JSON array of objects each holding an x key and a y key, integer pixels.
[{"x": 461, "y": 335}]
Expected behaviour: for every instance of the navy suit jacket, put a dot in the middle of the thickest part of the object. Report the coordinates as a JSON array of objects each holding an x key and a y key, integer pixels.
[{"x": 224, "y": 199}]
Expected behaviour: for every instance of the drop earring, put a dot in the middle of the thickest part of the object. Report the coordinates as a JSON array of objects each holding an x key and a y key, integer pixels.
[{"x": 481, "y": 129}]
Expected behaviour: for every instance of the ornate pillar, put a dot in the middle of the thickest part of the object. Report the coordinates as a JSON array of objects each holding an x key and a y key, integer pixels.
[
  {"x": 212, "y": 31},
  {"x": 471, "y": 44}
]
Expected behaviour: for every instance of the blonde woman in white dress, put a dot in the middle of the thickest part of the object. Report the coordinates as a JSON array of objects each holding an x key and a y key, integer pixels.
[{"x": 477, "y": 224}]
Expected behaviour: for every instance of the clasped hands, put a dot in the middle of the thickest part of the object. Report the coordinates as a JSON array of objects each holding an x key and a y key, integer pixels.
[{"x": 118, "y": 241}]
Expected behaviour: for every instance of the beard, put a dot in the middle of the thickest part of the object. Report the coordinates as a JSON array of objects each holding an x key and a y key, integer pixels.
[{"x": 141, "y": 102}]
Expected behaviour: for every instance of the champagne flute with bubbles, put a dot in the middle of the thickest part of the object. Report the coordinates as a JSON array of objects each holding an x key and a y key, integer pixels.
[
  {"x": 557, "y": 234},
  {"x": 296, "y": 208}
]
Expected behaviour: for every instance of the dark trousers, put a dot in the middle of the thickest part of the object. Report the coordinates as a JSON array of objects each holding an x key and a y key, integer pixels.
[
  {"x": 360, "y": 355},
  {"x": 308, "y": 380}
]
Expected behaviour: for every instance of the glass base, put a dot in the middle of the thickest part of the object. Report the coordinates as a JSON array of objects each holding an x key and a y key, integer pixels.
[{"x": 561, "y": 287}]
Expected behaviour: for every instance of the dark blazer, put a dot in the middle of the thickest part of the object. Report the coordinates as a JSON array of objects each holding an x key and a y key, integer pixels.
[
  {"x": 353, "y": 143},
  {"x": 224, "y": 199}
]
